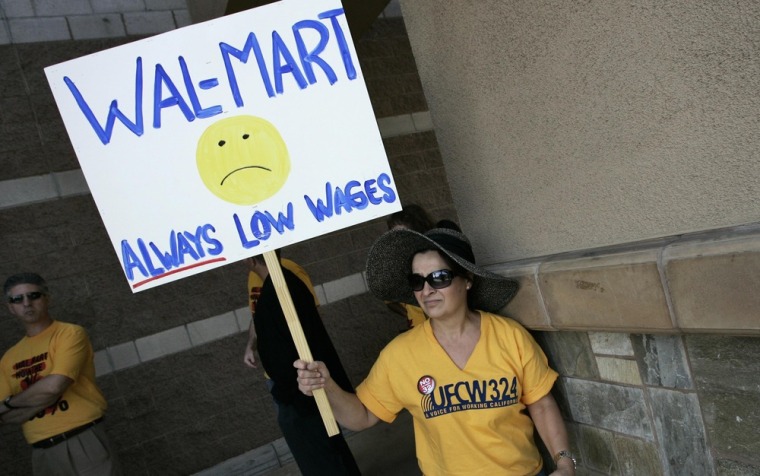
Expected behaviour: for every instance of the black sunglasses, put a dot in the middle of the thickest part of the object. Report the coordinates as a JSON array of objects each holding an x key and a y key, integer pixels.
[
  {"x": 437, "y": 279},
  {"x": 19, "y": 298}
]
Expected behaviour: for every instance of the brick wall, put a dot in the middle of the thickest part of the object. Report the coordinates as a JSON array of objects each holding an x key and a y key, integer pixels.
[
  {"x": 25, "y": 21},
  {"x": 658, "y": 404}
]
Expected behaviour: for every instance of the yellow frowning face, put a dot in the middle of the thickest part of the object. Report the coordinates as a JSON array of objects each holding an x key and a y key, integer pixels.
[{"x": 242, "y": 159}]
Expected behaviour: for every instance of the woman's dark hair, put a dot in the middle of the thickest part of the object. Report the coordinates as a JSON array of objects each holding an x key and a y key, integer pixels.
[{"x": 413, "y": 217}]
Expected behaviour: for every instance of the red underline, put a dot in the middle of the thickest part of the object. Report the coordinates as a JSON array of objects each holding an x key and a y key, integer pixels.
[{"x": 178, "y": 270}]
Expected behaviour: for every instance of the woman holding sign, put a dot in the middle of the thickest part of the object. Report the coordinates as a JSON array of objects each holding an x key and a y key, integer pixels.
[{"x": 466, "y": 375}]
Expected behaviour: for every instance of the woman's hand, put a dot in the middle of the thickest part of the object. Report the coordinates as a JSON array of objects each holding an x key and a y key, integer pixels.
[
  {"x": 548, "y": 420},
  {"x": 311, "y": 376},
  {"x": 347, "y": 408}
]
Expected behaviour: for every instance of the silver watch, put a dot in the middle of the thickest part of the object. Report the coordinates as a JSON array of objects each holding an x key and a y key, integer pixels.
[{"x": 565, "y": 454}]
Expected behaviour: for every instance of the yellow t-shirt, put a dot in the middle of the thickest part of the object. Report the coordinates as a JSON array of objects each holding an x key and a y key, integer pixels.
[
  {"x": 255, "y": 283},
  {"x": 61, "y": 349},
  {"x": 414, "y": 315},
  {"x": 467, "y": 421}
]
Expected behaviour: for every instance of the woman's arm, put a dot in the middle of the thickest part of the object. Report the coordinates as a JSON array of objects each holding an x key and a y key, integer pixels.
[
  {"x": 347, "y": 408},
  {"x": 548, "y": 420}
]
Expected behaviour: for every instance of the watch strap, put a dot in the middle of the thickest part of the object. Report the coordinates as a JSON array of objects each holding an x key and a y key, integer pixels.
[
  {"x": 7, "y": 403},
  {"x": 565, "y": 454}
]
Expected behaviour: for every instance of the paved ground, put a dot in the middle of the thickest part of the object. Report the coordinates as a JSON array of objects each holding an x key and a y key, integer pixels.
[{"x": 382, "y": 450}]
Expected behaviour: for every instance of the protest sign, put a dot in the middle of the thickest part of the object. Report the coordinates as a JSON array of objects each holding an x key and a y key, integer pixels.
[{"x": 226, "y": 139}]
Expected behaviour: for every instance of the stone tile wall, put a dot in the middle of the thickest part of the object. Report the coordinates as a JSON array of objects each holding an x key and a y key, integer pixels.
[
  {"x": 645, "y": 404},
  {"x": 659, "y": 354}
]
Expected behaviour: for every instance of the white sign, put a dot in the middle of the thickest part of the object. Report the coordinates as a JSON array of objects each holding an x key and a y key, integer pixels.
[{"x": 226, "y": 139}]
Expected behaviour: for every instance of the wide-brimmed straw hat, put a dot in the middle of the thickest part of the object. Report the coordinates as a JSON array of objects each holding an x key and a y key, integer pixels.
[{"x": 389, "y": 264}]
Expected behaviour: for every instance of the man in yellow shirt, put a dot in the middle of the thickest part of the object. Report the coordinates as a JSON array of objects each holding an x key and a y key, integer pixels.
[{"x": 47, "y": 383}]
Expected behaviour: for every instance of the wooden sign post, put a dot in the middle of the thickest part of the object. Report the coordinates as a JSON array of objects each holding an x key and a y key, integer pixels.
[{"x": 289, "y": 309}]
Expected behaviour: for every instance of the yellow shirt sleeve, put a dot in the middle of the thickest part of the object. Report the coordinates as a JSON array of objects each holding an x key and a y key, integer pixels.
[
  {"x": 414, "y": 315},
  {"x": 302, "y": 275},
  {"x": 255, "y": 283}
]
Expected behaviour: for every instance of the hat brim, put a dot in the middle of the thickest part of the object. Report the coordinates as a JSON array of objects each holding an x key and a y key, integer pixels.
[{"x": 389, "y": 263}]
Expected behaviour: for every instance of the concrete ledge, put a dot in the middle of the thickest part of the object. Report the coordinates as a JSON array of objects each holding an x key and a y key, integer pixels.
[
  {"x": 124, "y": 355},
  {"x": 344, "y": 287},
  {"x": 213, "y": 328},
  {"x": 715, "y": 284},
  {"x": 528, "y": 303},
  {"x": 243, "y": 318},
  {"x": 5, "y": 35},
  {"x": 395, "y": 126},
  {"x": 23, "y": 191},
  {"x": 40, "y": 188},
  {"x": 71, "y": 182},
  {"x": 405, "y": 124},
  {"x": 617, "y": 291},
  {"x": 164, "y": 343},
  {"x": 102, "y": 363},
  {"x": 319, "y": 290},
  {"x": 703, "y": 282}
]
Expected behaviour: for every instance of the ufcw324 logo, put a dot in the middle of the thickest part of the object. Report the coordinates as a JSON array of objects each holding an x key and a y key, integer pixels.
[{"x": 466, "y": 395}]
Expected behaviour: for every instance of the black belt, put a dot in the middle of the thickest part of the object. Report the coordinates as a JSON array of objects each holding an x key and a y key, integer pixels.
[{"x": 54, "y": 440}]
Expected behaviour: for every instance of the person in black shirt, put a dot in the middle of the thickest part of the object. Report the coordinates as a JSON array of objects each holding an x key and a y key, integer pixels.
[{"x": 298, "y": 415}]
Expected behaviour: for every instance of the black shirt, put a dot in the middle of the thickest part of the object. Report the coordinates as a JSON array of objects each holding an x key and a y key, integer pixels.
[{"x": 277, "y": 349}]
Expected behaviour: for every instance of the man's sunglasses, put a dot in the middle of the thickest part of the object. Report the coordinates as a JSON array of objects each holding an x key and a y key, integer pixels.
[
  {"x": 437, "y": 279},
  {"x": 19, "y": 298}
]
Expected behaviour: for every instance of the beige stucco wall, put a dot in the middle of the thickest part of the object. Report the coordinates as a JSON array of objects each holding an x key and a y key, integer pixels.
[{"x": 574, "y": 125}]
